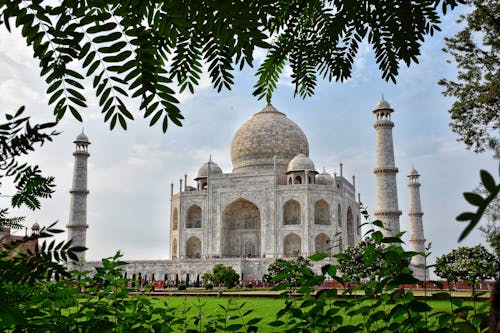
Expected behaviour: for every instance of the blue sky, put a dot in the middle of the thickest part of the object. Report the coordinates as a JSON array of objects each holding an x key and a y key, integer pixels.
[{"x": 130, "y": 172}]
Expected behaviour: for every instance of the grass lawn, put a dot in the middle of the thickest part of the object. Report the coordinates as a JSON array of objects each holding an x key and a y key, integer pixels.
[{"x": 191, "y": 307}]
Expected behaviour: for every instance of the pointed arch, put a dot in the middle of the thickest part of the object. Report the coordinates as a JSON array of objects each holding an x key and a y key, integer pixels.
[
  {"x": 175, "y": 219},
  {"x": 241, "y": 229},
  {"x": 174, "y": 248},
  {"x": 291, "y": 212},
  {"x": 292, "y": 245},
  {"x": 193, "y": 219},
  {"x": 193, "y": 248},
  {"x": 322, "y": 244},
  {"x": 321, "y": 212},
  {"x": 350, "y": 228}
]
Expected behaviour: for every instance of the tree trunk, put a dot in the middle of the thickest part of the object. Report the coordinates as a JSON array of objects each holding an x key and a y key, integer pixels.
[{"x": 495, "y": 308}]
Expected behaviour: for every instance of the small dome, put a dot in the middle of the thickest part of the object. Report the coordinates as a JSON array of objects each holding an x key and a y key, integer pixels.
[
  {"x": 300, "y": 163},
  {"x": 325, "y": 178},
  {"x": 35, "y": 227},
  {"x": 204, "y": 169},
  {"x": 82, "y": 138},
  {"x": 413, "y": 172},
  {"x": 382, "y": 105}
]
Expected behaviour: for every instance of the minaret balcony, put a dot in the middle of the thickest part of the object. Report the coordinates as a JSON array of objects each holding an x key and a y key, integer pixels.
[
  {"x": 383, "y": 123},
  {"x": 386, "y": 170}
]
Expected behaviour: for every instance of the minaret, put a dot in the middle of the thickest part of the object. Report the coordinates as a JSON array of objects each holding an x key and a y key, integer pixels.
[
  {"x": 77, "y": 226},
  {"x": 417, "y": 240},
  {"x": 385, "y": 170}
]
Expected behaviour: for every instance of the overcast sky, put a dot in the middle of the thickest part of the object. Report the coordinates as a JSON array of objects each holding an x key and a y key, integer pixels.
[{"x": 130, "y": 172}]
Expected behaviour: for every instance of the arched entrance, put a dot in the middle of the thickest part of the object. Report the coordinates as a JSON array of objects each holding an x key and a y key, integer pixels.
[{"x": 241, "y": 229}]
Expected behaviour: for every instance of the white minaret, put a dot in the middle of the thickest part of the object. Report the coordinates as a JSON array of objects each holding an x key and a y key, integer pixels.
[
  {"x": 77, "y": 226},
  {"x": 385, "y": 170},
  {"x": 417, "y": 240}
]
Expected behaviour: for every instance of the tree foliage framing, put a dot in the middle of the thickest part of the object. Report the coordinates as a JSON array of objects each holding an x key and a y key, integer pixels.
[
  {"x": 475, "y": 114},
  {"x": 144, "y": 50}
]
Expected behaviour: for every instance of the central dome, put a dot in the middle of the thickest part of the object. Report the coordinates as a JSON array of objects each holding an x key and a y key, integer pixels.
[{"x": 267, "y": 134}]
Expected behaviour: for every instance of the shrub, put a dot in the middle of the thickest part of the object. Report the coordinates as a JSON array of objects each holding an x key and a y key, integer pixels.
[
  {"x": 209, "y": 286},
  {"x": 181, "y": 286}
]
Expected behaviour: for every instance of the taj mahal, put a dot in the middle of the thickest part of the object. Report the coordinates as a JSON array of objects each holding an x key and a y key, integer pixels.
[{"x": 274, "y": 204}]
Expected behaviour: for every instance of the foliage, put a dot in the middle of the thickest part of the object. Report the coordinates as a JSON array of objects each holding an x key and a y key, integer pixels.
[
  {"x": 17, "y": 138},
  {"x": 145, "y": 50},
  {"x": 383, "y": 303},
  {"x": 491, "y": 232},
  {"x": 482, "y": 203},
  {"x": 99, "y": 301},
  {"x": 222, "y": 275},
  {"x": 26, "y": 277},
  {"x": 366, "y": 260},
  {"x": 288, "y": 271},
  {"x": 472, "y": 264},
  {"x": 181, "y": 286},
  {"x": 476, "y": 50}
]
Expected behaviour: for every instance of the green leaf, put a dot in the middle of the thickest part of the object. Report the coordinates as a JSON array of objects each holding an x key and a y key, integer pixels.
[
  {"x": 473, "y": 198},
  {"x": 55, "y": 96},
  {"x": 467, "y": 216},
  {"x": 318, "y": 256},
  {"x": 106, "y": 38},
  {"x": 488, "y": 181},
  {"x": 101, "y": 28},
  {"x": 419, "y": 306},
  {"x": 392, "y": 240}
]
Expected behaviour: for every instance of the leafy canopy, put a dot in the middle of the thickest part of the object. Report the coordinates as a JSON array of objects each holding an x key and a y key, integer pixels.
[
  {"x": 136, "y": 50},
  {"x": 475, "y": 114},
  {"x": 289, "y": 271},
  {"x": 471, "y": 264},
  {"x": 222, "y": 275}
]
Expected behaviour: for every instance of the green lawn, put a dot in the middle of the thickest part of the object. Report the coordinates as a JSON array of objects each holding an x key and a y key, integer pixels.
[{"x": 206, "y": 308}]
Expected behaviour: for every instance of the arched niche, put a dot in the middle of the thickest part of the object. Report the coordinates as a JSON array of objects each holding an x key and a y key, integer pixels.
[
  {"x": 339, "y": 215},
  {"x": 350, "y": 228},
  {"x": 322, "y": 244},
  {"x": 291, "y": 212},
  {"x": 292, "y": 245},
  {"x": 175, "y": 219},
  {"x": 321, "y": 212},
  {"x": 193, "y": 248},
  {"x": 174, "y": 248},
  {"x": 241, "y": 229},
  {"x": 193, "y": 218},
  {"x": 358, "y": 226}
]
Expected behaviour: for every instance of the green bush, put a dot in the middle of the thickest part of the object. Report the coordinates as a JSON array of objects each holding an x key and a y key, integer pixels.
[
  {"x": 181, "y": 286},
  {"x": 209, "y": 286}
]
